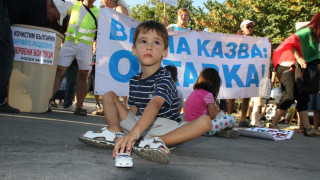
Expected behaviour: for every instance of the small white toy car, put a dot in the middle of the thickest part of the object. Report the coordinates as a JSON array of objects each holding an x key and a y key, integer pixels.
[{"x": 123, "y": 160}]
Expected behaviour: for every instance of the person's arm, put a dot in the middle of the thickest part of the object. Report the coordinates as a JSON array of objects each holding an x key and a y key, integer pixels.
[
  {"x": 147, "y": 117},
  {"x": 165, "y": 21},
  {"x": 213, "y": 110},
  {"x": 299, "y": 59},
  {"x": 122, "y": 10},
  {"x": 134, "y": 109},
  {"x": 169, "y": 28}
]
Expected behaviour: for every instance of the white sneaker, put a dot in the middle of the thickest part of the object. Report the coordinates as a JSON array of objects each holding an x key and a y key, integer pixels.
[
  {"x": 98, "y": 106},
  {"x": 70, "y": 108},
  {"x": 257, "y": 124}
]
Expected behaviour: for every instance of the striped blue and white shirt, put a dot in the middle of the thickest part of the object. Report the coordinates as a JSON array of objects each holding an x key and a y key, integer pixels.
[{"x": 160, "y": 84}]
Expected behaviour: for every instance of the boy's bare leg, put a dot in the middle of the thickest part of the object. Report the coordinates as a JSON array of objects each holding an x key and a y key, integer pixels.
[
  {"x": 114, "y": 111},
  {"x": 188, "y": 131}
]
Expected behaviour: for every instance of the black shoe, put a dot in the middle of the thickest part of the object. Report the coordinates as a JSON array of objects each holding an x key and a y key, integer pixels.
[
  {"x": 244, "y": 124},
  {"x": 263, "y": 118},
  {"x": 8, "y": 109}
]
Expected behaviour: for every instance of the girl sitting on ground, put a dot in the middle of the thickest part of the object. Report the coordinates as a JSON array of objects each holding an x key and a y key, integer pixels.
[{"x": 202, "y": 101}]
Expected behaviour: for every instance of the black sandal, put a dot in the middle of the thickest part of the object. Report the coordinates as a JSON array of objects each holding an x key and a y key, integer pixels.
[{"x": 80, "y": 112}]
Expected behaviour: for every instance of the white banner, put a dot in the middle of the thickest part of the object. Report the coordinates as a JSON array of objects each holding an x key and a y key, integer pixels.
[
  {"x": 266, "y": 133},
  {"x": 33, "y": 46},
  {"x": 242, "y": 62},
  {"x": 170, "y": 2}
]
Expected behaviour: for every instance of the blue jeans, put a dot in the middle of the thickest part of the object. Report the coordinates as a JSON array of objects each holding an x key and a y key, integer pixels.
[
  {"x": 71, "y": 84},
  {"x": 6, "y": 50}
]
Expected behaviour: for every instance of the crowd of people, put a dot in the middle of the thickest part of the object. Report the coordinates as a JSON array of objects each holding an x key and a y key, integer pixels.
[{"x": 154, "y": 100}]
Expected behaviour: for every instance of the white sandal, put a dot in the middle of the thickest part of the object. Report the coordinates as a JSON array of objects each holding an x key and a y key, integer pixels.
[
  {"x": 91, "y": 138},
  {"x": 150, "y": 149}
]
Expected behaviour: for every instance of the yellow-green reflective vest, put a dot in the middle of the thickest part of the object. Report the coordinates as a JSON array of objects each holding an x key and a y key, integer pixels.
[{"x": 87, "y": 29}]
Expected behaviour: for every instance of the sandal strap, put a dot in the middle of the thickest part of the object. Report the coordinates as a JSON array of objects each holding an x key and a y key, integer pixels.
[
  {"x": 105, "y": 133},
  {"x": 153, "y": 143}
]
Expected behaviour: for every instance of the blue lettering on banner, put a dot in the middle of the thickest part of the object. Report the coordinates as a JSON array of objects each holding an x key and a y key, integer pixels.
[
  {"x": 217, "y": 50},
  {"x": 202, "y": 47},
  {"x": 256, "y": 52},
  {"x": 114, "y": 63},
  {"x": 183, "y": 46},
  {"x": 171, "y": 45},
  {"x": 252, "y": 76},
  {"x": 233, "y": 51},
  {"x": 188, "y": 72},
  {"x": 243, "y": 51},
  {"x": 117, "y": 27},
  {"x": 232, "y": 75},
  {"x": 190, "y": 75}
]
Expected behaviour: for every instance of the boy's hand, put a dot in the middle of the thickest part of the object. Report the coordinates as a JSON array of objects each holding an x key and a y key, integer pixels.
[{"x": 125, "y": 143}]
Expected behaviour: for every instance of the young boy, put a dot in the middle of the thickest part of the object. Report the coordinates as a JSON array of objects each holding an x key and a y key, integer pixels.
[{"x": 154, "y": 105}]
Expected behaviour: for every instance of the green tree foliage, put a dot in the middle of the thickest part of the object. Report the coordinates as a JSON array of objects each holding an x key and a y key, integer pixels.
[
  {"x": 154, "y": 10},
  {"x": 274, "y": 18}
]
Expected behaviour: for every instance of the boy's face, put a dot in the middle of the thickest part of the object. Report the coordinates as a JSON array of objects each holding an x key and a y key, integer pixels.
[{"x": 149, "y": 48}]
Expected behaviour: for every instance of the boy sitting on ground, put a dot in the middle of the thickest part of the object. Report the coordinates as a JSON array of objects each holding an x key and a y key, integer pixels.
[{"x": 154, "y": 105}]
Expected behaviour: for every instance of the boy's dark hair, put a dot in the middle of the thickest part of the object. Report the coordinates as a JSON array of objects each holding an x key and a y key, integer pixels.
[
  {"x": 152, "y": 25},
  {"x": 173, "y": 71},
  {"x": 209, "y": 80}
]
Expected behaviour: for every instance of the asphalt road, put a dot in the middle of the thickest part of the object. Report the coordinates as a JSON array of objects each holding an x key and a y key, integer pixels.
[{"x": 45, "y": 146}]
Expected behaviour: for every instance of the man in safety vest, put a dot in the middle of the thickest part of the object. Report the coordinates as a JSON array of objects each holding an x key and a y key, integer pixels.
[{"x": 81, "y": 34}]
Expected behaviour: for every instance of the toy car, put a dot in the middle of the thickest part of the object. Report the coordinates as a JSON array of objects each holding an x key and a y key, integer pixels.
[{"x": 123, "y": 160}]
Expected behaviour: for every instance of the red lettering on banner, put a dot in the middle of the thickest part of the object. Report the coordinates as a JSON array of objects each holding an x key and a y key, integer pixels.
[
  {"x": 45, "y": 54},
  {"x": 23, "y": 51}
]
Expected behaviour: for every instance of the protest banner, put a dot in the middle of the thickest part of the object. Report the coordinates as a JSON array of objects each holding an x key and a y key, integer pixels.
[
  {"x": 33, "y": 46},
  {"x": 170, "y": 2},
  {"x": 242, "y": 62},
  {"x": 266, "y": 133}
]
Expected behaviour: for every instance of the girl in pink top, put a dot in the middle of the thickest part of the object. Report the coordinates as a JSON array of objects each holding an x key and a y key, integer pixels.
[{"x": 202, "y": 101}]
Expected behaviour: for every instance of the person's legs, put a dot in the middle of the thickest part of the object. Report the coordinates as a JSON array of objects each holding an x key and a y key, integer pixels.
[
  {"x": 244, "y": 108},
  {"x": 316, "y": 119},
  {"x": 81, "y": 88},
  {"x": 221, "y": 123},
  {"x": 256, "y": 112},
  {"x": 309, "y": 131},
  {"x": 188, "y": 131},
  {"x": 287, "y": 86},
  {"x": 59, "y": 75},
  {"x": 250, "y": 108},
  {"x": 96, "y": 97},
  {"x": 263, "y": 111},
  {"x": 114, "y": 111},
  {"x": 223, "y": 105},
  {"x": 230, "y": 106},
  {"x": 277, "y": 117},
  {"x": 71, "y": 84},
  {"x": 6, "y": 57}
]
